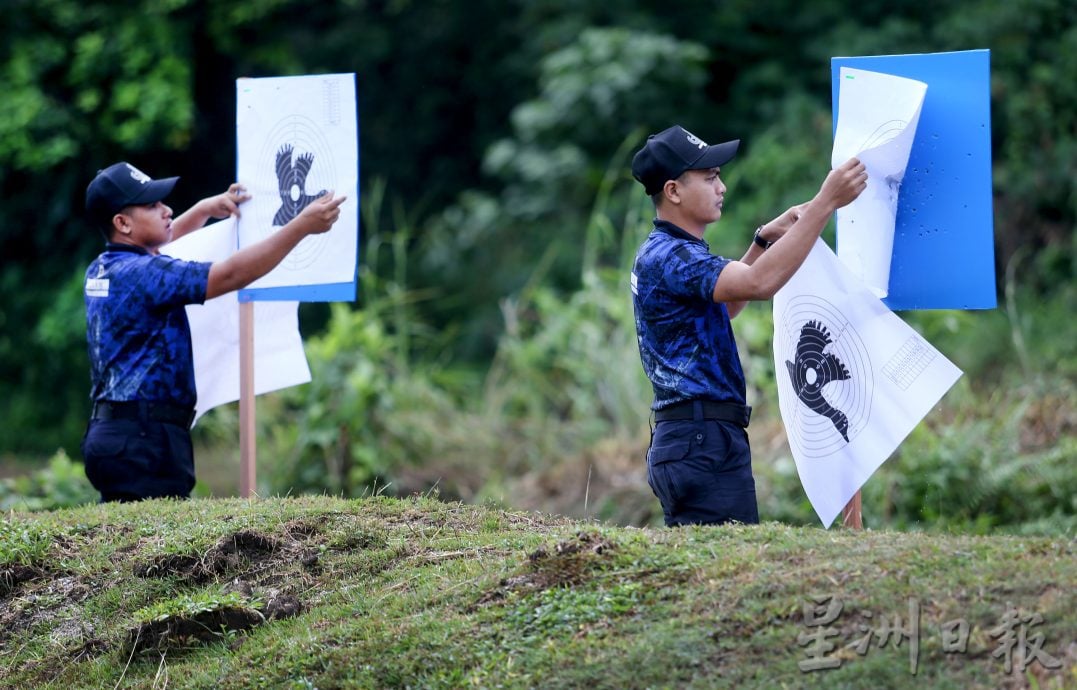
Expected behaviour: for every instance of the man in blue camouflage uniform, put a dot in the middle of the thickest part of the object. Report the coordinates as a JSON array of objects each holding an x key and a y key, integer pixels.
[
  {"x": 699, "y": 463},
  {"x": 138, "y": 442}
]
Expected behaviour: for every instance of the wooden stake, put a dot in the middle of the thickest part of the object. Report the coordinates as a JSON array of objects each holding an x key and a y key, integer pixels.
[
  {"x": 247, "y": 445},
  {"x": 850, "y": 514}
]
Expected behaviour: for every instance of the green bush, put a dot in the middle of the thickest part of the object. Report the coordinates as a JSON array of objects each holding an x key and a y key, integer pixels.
[
  {"x": 366, "y": 413},
  {"x": 61, "y": 484},
  {"x": 1004, "y": 463}
]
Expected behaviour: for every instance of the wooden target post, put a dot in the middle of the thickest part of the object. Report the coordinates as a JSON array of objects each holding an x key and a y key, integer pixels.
[
  {"x": 247, "y": 441},
  {"x": 850, "y": 514}
]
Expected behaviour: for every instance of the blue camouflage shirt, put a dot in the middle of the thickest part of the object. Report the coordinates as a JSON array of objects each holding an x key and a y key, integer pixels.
[
  {"x": 136, "y": 325},
  {"x": 685, "y": 338}
]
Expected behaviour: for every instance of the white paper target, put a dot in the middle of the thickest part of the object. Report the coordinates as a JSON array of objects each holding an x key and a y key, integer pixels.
[{"x": 297, "y": 139}]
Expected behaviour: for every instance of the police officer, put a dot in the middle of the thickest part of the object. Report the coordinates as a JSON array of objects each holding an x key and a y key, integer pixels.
[
  {"x": 699, "y": 463},
  {"x": 138, "y": 442}
]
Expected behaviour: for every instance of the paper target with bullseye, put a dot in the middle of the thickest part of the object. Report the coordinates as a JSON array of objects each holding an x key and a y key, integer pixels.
[
  {"x": 298, "y": 138},
  {"x": 295, "y": 165},
  {"x": 824, "y": 377}
]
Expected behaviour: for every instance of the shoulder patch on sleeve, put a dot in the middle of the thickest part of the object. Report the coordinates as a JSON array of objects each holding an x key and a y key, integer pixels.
[
  {"x": 97, "y": 287},
  {"x": 683, "y": 254}
]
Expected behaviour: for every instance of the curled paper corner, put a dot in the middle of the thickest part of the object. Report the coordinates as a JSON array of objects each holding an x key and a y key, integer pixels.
[{"x": 877, "y": 119}]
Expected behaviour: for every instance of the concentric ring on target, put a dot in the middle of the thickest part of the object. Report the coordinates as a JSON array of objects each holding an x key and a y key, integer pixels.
[
  {"x": 835, "y": 375},
  {"x": 305, "y": 139}
]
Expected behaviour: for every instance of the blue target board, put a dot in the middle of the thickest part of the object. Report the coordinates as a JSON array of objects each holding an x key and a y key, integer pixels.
[{"x": 944, "y": 256}]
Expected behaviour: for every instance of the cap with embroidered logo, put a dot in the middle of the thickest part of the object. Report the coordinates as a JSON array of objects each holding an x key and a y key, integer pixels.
[
  {"x": 672, "y": 151},
  {"x": 120, "y": 185}
]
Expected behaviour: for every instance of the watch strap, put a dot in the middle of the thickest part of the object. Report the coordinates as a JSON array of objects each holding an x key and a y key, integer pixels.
[{"x": 759, "y": 241}]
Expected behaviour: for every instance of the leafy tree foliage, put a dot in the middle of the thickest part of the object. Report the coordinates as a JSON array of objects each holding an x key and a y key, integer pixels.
[{"x": 598, "y": 96}]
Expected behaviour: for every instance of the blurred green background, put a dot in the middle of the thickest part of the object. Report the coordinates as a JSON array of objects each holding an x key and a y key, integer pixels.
[{"x": 491, "y": 355}]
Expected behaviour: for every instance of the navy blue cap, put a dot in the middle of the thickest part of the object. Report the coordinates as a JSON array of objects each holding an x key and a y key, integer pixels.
[
  {"x": 120, "y": 185},
  {"x": 669, "y": 153}
]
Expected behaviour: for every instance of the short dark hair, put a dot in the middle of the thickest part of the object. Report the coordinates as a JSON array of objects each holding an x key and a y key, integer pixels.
[{"x": 657, "y": 196}]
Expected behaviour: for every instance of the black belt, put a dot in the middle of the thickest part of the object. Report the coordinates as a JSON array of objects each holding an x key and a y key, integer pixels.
[
  {"x": 145, "y": 410},
  {"x": 708, "y": 409}
]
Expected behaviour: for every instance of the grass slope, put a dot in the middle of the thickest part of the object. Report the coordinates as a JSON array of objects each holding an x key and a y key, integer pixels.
[{"x": 329, "y": 593}]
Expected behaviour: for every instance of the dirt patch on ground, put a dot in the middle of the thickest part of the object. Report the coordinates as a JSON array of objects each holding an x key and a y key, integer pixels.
[
  {"x": 12, "y": 576},
  {"x": 45, "y": 598},
  {"x": 253, "y": 561},
  {"x": 32, "y": 596},
  {"x": 278, "y": 603},
  {"x": 300, "y": 530},
  {"x": 246, "y": 552},
  {"x": 185, "y": 631},
  {"x": 566, "y": 564},
  {"x": 178, "y": 632}
]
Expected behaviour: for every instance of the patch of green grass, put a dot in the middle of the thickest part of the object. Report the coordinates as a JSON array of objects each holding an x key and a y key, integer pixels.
[
  {"x": 190, "y": 605},
  {"x": 23, "y": 543},
  {"x": 566, "y": 611},
  {"x": 422, "y": 593}
]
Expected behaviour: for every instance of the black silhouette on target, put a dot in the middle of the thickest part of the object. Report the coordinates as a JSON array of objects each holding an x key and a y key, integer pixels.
[
  {"x": 291, "y": 184},
  {"x": 813, "y": 369}
]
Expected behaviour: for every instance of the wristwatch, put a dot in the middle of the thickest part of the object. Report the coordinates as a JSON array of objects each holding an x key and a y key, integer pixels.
[{"x": 758, "y": 239}]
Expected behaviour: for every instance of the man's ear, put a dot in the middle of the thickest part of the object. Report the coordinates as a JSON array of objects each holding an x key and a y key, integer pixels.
[
  {"x": 121, "y": 224},
  {"x": 670, "y": 191}
]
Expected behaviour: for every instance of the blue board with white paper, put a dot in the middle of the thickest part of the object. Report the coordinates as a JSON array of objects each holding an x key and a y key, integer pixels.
[{"x": 943, "y": 256}]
